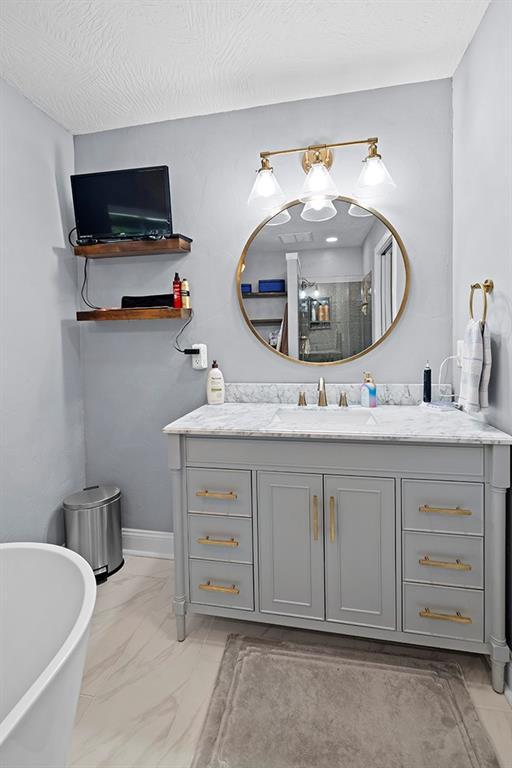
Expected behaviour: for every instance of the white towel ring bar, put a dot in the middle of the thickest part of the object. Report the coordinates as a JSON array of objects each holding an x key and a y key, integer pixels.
[{"x": 486, "y": 287}]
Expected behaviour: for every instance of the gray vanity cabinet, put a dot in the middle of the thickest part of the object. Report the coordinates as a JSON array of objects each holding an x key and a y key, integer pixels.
[
  {"x": 291, "y": 552},
  {"x": 360, "y": 551}
]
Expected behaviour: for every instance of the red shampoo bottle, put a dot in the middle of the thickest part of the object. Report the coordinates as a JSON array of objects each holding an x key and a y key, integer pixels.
[{"x": 176, "y": 291}]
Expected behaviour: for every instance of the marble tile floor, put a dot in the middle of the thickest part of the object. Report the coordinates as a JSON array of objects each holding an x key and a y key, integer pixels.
[{"x": 144, "y": 695}]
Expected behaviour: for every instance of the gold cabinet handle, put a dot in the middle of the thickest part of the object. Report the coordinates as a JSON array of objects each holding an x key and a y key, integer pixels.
[
  {"x": 218, "y": 542},
  {"x": 457, "y": 617},
  {"x": 458, "y": 565},
  {"x": 209, "y": 587},
  {"x": 445, "y": 510},
  {"x": 315, "y": 518},
  {"x": 223, "y": 496},
  {"x": 332, "y": 519}
]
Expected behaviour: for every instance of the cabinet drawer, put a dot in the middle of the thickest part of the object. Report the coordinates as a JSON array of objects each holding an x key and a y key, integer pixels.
[
  {"x": 439, "y": 558},
  {"x": 443, "y": 507},
  {"x": 217, "y": 537},
  {"x": 444, "y": 612},
  {"x": 224, "y": 584},
  {"x": 219, "y": 491}
]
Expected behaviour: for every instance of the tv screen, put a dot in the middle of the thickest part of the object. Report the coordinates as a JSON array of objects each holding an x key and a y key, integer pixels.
[{"x": 114, "y": 205}]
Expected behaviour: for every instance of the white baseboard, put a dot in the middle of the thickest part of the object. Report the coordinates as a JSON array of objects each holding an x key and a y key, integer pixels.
[{"x": 137, "y": 541}]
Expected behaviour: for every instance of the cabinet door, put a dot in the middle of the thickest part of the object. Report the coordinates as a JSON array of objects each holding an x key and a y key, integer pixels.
[
  {"x": 360, "y": 551},
  {"x": 290, "y": 536}
]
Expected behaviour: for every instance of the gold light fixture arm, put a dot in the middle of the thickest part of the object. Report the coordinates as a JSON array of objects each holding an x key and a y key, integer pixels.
[{"x": 319, "y": 147}]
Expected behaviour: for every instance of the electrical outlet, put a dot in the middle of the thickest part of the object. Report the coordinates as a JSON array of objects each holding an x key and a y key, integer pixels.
[
  {"x": 460, "y": 352},
  {"x": 200, "y": 361}
]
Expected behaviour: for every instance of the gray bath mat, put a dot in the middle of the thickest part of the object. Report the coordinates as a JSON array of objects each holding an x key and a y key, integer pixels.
[{"x": 282, "y": 705}]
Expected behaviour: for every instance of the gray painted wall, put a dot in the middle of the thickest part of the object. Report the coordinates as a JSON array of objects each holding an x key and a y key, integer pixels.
[
  {"x": 42, "y": 453},
  {"x": 134, "y": 381},
  {"x": 482, "y": 202}
]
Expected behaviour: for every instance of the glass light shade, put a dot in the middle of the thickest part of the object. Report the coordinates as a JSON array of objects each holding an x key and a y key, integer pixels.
[
  {"x": 374, "y": 175},
  {"x": 318, "y": 183},
  {"x": 358, "y": 212},
  {"x": 280, "y": 218},
  {"x": 318, "y": 209},
  {"x": 266, "y": 194}
]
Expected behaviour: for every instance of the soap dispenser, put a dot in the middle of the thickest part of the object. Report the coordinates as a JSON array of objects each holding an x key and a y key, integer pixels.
[
  {"x": 215, "y": 390},
  {"x": 368, "y": 391}
]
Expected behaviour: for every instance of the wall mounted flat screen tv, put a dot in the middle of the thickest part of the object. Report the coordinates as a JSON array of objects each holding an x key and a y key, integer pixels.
[{"x": 118, "y": 205}]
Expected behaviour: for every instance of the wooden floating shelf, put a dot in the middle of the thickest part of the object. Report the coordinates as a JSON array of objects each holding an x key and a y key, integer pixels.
[
  {"x": 269, "y": 295},
  {"x": 177, "y": 244},
  {"x": 143, "y": 313},
  {"x": 267, "y": 321}
]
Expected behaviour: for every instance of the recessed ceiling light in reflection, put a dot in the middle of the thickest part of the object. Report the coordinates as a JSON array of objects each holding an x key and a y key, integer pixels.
[
  {"x": 331, "y": 239},
  {"x": 355, "y": 210}
]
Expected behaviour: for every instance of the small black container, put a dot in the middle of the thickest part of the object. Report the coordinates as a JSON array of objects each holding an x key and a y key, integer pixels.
[{"x": 427, "y": 384}]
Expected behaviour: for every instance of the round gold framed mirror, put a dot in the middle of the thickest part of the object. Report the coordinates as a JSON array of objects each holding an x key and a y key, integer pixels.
[{"x": 323, "y": 292}]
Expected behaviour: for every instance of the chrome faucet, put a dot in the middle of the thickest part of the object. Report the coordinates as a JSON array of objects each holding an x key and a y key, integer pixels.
[{"x": 322, "y": 396}]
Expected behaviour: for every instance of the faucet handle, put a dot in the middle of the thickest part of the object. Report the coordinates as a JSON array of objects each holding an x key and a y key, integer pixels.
[
  {"x": 302, "y": 398},
  {"x": 343, "y": 403}
]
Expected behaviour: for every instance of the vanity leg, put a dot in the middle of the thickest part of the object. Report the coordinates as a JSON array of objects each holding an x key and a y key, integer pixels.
[
  {"x": 498, "y": 675},
  {"x": 179, "y": 600},
  {"x": 495, "y": 516}
]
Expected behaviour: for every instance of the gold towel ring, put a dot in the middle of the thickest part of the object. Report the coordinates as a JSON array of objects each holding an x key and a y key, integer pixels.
[{"x": 486, "y": 287}]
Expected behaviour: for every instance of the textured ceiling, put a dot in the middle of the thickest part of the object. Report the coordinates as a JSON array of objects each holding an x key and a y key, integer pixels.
[{"x": 99, "y": 64}]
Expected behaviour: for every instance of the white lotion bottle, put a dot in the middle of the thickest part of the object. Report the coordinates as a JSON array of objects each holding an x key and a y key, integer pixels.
[{"x": 215, "y": 389}]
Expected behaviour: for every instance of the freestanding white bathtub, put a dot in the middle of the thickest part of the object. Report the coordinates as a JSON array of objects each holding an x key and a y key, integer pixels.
[{"x": 47, "y": 596}]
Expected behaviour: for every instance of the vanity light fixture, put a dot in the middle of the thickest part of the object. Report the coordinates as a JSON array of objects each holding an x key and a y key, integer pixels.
[
  {"x": 374, "y": 174},
  {"x": 358, "y": 212},
  {"x": 318, "y": 190}
]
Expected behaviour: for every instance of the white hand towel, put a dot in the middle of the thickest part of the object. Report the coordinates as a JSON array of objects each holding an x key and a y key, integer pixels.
[{"x": 476, "y": 367}]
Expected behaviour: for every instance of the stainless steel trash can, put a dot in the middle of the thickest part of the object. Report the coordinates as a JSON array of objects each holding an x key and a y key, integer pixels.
[{"x": 92, "y": 520}]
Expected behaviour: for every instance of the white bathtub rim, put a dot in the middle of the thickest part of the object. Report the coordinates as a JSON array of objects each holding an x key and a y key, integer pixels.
[{"x": 71, "y": 642}]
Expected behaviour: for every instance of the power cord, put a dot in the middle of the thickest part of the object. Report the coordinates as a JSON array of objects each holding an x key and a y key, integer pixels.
[
  {"x": 84, "y": 290},
  {"x": 177, "y": 347}
]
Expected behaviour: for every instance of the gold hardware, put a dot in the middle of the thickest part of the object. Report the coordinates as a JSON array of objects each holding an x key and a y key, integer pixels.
[
  {"x": 218, "y": 542},
  {"x": 322, "y": 396},
  {"x": 318, "y": 155},
  {"x": 457, "y": 617},
  {"x": 319, "y": 147},
  {"x": 351, "y": 201},
  {"x": 486, "y": 287},
  {"x": 457, "y": 511},
  {"x": 315, "y": 518},
  {"x": 302, "y": 399},
  {"x": 458, "y": 565},
  {"x": 209, "y": 587},
  {"x": 343, "y": 403},
  {"x": 332, "y": 519},
  {"x": 225, "y": 496}
]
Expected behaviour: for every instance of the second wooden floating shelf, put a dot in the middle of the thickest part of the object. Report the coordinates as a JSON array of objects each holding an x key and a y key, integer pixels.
[{"x": 143, "y": 313}]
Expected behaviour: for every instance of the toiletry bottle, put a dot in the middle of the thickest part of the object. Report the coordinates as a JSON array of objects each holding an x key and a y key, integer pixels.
[
  {"x": 427, "y": 383},
  {"x": 215, "y": 385},
  {"x": 176, "y": 291},
  {"x": 185, "y": 294},
  {"x": 368, "y": 391}
]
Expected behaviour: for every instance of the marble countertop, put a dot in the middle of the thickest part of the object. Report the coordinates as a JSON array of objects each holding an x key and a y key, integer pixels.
[{"x": 387, "y": 423}]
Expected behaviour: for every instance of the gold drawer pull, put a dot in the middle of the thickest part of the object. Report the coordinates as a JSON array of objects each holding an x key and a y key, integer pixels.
[
  {"x": 445, "y": 510},
  {"x": 458, "y": 565},
  {"x": 223, "y": 496},
  {"x": 209, "y": 587},
  {"x": 426, "y": 613},
  {"x": 315, "y": 518},
  {"x": 332, "y": 519},
  {"x": 218, "y": 542}
]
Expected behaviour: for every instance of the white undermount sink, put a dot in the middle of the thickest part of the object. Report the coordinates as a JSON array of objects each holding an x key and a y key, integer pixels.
[{"x": 325, "y": 419}]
